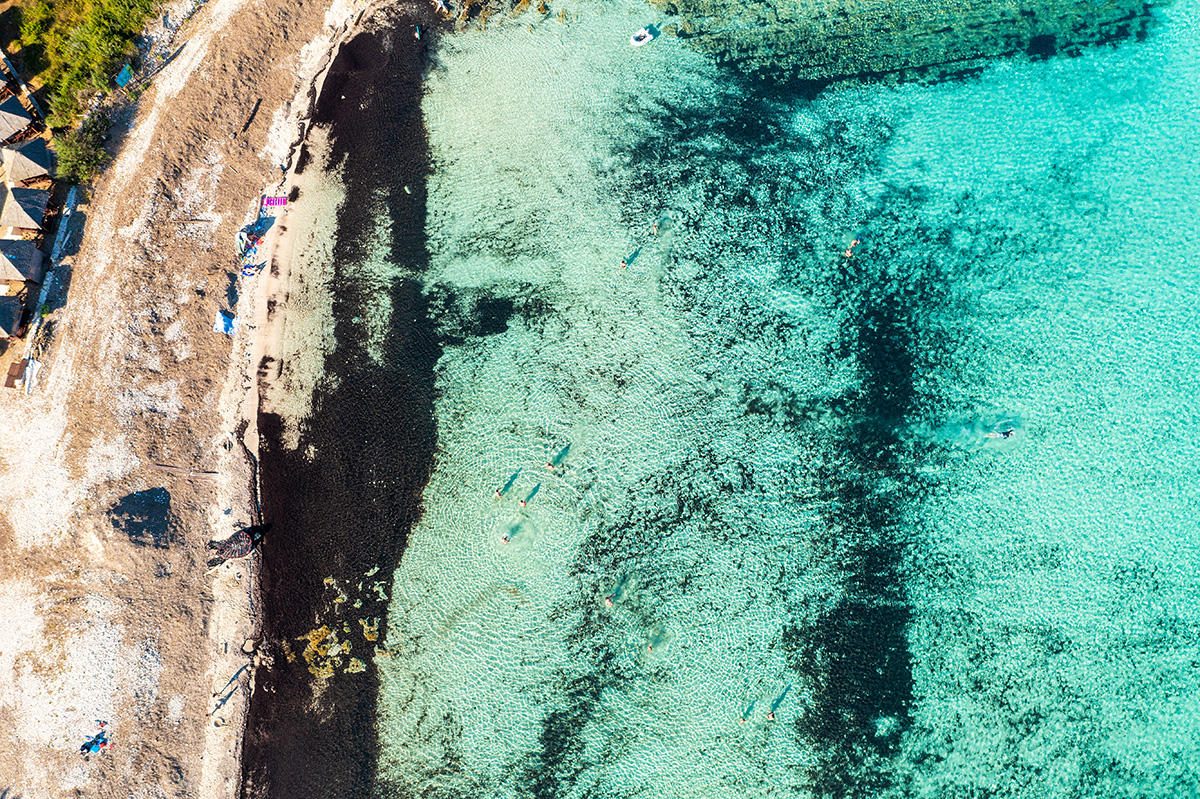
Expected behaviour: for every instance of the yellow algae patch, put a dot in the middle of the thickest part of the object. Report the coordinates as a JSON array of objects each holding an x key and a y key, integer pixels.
[
  {"x": 370, "y": 628},
  {"x": 322, "y": 651},
  {"x": 355, "y": 665}
]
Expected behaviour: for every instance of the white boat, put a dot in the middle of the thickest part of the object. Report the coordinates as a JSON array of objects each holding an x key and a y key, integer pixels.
[{"x": 643, "y": 35}]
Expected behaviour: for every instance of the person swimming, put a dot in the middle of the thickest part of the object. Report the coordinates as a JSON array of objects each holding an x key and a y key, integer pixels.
[
  {"x": 778, "y": 701},
  {"x": 618, "y": 590},
  {"x": 500, "y": 492},
  {"x": 512, "y": 530},
  {"x": 1001, "y": 434},
  {"x": 531, "y": 495},
  {"x": 557, "y": 460},
  {"x": 850, "y": 250}
]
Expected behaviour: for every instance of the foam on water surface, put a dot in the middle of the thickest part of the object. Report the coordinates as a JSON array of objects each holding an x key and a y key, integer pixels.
[{"x": 790, "y": 485}]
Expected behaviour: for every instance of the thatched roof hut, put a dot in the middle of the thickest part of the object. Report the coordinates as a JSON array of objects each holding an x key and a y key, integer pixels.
[
  {"x": 21, "y": 261},
  {"x": 24, "y": 208},
  {"x": 11, "y": 310},
  {"x": 13, "y": 118},
  {"x": 26, "y": 161}
]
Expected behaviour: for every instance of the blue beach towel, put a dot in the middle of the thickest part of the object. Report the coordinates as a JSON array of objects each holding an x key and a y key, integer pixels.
[{"x": 224, "y": 323}]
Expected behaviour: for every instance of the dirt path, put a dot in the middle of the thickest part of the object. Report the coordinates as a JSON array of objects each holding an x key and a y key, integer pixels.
[{"x": 107, "y": 477}]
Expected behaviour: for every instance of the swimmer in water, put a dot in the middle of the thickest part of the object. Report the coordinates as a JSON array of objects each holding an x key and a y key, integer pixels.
[
  {"x": 531, "y": 495},
  {"x": 557, "y": 460},
  {"x": 746, "y": 713},
  {"x": 1001, "y": 434},
  {"x": 512, "y": 530},
  {"x": 850, "y": 250},
  {"x": 500, "y": 492},
  {"x": 612, "y": 598},
  {"x": 778, "y": 701}
]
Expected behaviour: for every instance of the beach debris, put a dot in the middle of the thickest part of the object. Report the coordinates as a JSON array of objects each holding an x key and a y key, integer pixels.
[
  {"x": 236, "y": 546},
  {"x": 249, "y": 120},
  {"x": 371, "y": 572},
  {"x": 146, "y": 518},
  {"x": 355, "y": 666}
]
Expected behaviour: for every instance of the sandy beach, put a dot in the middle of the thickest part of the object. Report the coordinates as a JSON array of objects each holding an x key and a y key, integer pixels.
[{"x": 136, "y": 446}]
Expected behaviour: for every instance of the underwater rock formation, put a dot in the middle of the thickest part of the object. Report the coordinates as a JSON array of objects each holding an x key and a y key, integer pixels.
[{"x": 822, "y": 41}]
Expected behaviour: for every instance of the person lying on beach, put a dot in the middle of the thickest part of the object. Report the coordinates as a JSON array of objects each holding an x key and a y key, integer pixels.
[{"x": 98, "y": 742}]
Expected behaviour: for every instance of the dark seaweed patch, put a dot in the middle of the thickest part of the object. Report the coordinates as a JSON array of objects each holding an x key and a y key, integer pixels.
[
  {"x": 348, "y": 509},
  {"x": 461, "y": 314}
]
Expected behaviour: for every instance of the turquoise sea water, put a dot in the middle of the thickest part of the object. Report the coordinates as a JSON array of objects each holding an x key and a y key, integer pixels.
[{"x": 781, "y": 483}]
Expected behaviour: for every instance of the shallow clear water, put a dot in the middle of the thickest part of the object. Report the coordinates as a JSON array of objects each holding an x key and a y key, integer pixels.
[{"x": 930, "y": 506}]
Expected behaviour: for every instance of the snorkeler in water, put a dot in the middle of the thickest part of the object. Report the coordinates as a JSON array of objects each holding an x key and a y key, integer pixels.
[
  {"x": 1001, "y": 434},
  {"x": 850, "y": 250}
]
